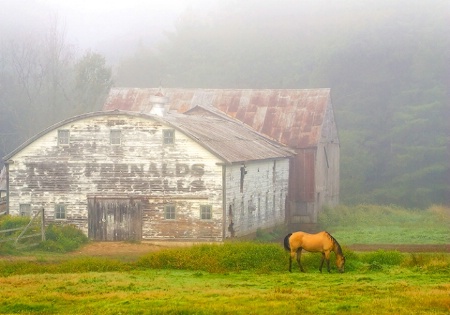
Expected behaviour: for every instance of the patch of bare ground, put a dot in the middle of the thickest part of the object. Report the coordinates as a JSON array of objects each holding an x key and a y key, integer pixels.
[{"x": 124, "y": 249}]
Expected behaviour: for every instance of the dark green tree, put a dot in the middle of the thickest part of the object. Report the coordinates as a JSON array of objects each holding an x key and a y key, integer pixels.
[{"x": 93, "y": 80}]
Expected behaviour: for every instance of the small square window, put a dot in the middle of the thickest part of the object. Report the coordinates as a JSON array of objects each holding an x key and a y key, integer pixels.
[
  {"x": 169, "y": 212},
  {"x": 168, "y": 136},
  {"x": 115, "y": 137},
  {"x": 60, "y": 211},
  {"x": 206, "y": 212},
  {"x": 25, "y": 210},
  {"x": 63, "y": 137}
]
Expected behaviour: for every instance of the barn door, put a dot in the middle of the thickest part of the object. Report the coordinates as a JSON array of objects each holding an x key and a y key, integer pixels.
[{"x": 114, "y": 219}]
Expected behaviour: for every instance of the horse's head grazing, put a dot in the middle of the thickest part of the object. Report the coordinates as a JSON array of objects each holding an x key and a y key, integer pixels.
[{"x": 340, "y": 263}]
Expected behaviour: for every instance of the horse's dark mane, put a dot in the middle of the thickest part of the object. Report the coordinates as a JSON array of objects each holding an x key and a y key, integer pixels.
[{"x": 335, "y": 242}]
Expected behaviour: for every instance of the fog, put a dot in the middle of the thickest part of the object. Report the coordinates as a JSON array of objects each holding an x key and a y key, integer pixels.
[
  {"x": 113, "y": 28},
  {"x": 386, "y": 62}
]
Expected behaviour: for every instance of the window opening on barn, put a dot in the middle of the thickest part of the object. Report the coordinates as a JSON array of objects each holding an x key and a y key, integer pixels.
[
  {"x": 206, "y": 212},
  {"x": 63, "y": 137},
  {"x": 115, "y": 137},
  {"x": 169, "y": 212},
  {"x": 25, "y": 209},
  {"x": 274, "y": 171},
  {"x": 60, "y": 211},
  {"x": 243, "y": 172},
  {"x": 168, "y": 136}
]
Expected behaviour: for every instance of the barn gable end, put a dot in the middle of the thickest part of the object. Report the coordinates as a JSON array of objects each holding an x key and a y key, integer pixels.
[{"x": 120, "y": 176}]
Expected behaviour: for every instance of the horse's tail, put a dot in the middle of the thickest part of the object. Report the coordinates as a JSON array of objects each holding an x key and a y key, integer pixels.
[{"x": 286, "y": 242}]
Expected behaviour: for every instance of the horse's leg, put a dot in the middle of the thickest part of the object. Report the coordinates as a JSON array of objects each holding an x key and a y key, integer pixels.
[
  {"x": 327, "y": 257},
  {"x": 299, "y": 256},
  {"x": 290, "y": 260},
  {"x": 321, "y": 262}
]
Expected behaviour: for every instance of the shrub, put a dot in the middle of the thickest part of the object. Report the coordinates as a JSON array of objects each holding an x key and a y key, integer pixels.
[
  {"x": 428, "y": 262},
  {"x": 62, "y": 238},
  {"x": 233, "y": 256},
  {"x": 381, "y": 257}
]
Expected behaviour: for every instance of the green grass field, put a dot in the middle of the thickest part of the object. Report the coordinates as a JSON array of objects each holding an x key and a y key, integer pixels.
[
  {"x": 393, "y": 290},
  {"x": 246, "y": 277},
  {"x": 371, "y": 224}
]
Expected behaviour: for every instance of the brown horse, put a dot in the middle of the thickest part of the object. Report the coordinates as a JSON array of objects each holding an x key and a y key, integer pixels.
[{"x": 321, "y": 242}]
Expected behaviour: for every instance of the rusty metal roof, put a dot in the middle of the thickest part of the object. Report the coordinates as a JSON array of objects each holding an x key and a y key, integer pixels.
[{"x": 290, "y": 116}]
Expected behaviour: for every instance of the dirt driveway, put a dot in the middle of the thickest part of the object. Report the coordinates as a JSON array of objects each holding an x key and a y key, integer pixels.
[{"x": 124, "y": 249}]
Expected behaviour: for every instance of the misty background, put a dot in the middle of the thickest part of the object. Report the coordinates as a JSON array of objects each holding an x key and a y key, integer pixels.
[{"x": 387, "y": 63}]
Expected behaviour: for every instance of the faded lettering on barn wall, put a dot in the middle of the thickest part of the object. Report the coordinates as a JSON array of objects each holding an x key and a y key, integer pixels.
[{"x": 170, "y": 177}]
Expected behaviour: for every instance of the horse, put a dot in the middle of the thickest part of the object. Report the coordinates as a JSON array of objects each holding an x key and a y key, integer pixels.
[{"x": 321, "y": 242}]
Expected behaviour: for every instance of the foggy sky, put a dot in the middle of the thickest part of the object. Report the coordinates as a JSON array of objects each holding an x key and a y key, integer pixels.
[{"x": 112, "y": 28}]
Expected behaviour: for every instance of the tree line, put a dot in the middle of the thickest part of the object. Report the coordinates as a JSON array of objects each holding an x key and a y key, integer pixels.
[{"x": 43, "y": 81}]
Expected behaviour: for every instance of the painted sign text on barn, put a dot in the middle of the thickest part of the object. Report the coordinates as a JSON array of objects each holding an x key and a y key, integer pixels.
[{"x": 119, "y": 176}]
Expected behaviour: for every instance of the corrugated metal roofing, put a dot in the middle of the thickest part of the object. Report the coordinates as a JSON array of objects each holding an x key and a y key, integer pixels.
[
  {"x": 292, "y": 117},
  {"x": 230, "y": 139},
  {"x": 227, "y": 138}
]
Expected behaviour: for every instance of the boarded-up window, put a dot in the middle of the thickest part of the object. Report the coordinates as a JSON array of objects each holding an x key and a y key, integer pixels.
[
  {"x": 206, "y": 212},
  {"x": 25, "y": 210},
  {"x": 168, "y": 136},
  {"x": 115, "y": 137},
  {"x": 60, "y": 211},
  {"x": 169, "y": 212},
  {"x": 63, "y": 137}
]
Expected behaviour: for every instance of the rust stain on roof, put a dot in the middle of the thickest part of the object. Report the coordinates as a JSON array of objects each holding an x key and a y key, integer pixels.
[{"x": 292, "y": 117}]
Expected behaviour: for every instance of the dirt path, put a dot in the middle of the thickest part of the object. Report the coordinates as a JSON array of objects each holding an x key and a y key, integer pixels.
[{"x": 124, "y": 249}]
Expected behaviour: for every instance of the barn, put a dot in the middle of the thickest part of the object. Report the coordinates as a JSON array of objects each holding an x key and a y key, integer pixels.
[
  {"x": 152, "y": 175},
  {"x": 302, "y": 119}
]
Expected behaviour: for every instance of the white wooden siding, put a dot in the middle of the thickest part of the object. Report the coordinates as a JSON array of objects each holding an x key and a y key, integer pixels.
[
  {"x": 45, "y": 174},
  {"x": 261, "y": 203}
]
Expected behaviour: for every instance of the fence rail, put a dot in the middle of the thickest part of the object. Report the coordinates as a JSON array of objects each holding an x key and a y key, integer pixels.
[{"x": 25, "y": 229}]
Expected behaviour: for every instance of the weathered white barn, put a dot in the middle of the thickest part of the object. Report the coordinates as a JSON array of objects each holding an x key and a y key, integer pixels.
[
  {"x": 121, "y": 175},
  {"x": 302, "y": 119}
]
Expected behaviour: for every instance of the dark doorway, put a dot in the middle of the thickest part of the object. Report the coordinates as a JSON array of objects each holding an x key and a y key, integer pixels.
[{"x": 114, "y": 219}]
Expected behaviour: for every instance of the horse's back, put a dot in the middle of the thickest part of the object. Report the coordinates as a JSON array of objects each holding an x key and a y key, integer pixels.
[{"x": 318, "y": 242}]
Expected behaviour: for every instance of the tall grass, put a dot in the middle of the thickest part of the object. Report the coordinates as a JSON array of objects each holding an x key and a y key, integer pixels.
[
  {"x": 233, "y": 257},
  {"x": 58, "y": 238}
]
